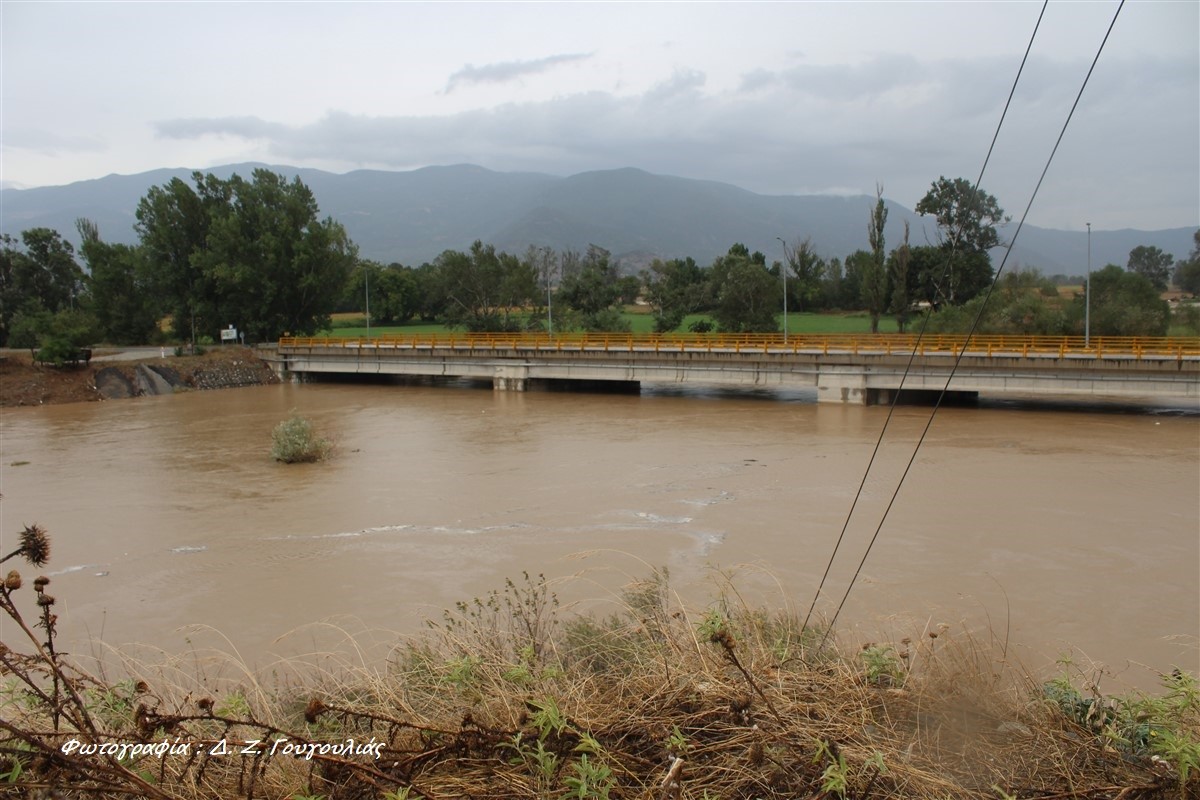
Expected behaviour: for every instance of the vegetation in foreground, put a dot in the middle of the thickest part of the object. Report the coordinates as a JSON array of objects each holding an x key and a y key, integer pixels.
[{"x": 506, "y": 698}]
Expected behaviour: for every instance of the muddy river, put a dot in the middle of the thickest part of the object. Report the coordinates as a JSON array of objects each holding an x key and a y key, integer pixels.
[{"x": 1057, "y": 528}]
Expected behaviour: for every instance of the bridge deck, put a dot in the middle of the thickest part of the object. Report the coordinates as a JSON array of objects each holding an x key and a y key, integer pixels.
[
  {"x": 888, "y": 344},
  {"x": 844, "y": 368}
]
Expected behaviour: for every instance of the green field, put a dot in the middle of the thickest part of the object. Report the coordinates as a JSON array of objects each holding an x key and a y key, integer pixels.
[{"x": 642, "y": 322}]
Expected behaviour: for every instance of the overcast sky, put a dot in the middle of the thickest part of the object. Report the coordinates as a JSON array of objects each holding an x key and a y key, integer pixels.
[{"x": 778, "y": 98}]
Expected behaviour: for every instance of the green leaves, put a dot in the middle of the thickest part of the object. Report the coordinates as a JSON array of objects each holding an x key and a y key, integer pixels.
[
  {"x": 483, "y": 288},
  {"x": 248, "y": 253},
  {"x": 967, "y": 217},
  {"x": 748, "y": 296}
]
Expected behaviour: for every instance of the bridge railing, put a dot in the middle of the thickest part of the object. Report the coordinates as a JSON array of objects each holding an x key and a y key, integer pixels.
[{"x": 886, "y": 344}]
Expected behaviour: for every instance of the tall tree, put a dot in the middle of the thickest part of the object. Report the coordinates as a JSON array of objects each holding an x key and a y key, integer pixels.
[
  {"x": 38, "y": 274},
  {"x": 250, "y": 253},
  {"x": 1187, "y": 273},
  {"x": 747, "y": 296},
  {"x": 942, "y": 277},
  {"x": 13, "y": 267},
  {"x": 121, "y": 294},
  {"x": 172, "y": 226},
  {"x": 1153, "y": 263},
  {"x": 966, "y": 217},
  {"x": 274, "y": 266},
  {"x": 806, "y": 268},
  {"x": 53, "y": 277},
  {"x": 901, "y": 303},
  {"x": 433, "y": 302},
  {"x": 1123, "y": 304},
  {"x": 593, "y": 289},
  {"x": 545, "y": 265},
  {"x": 391, "y": 290},
  {"x": 967, "y": 220},
  {"x": 484, "y": 288},
  {"x": 674, "y": 289},
  {"x": 875, "y": 275},
  {"x": 833, "y": 289}
]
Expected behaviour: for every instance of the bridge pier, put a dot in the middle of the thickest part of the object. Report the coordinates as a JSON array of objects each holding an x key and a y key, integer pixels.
[
  {"x": 510, "y": 377},
  {"x": 846, "y": 385}
]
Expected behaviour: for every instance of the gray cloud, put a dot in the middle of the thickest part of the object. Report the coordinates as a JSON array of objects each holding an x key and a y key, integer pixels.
[
  {"x": 242, "y": 127},
  {"x": 685, "y": 83},
  {"x": 896, "y": 121},
  {"x": 51, "y": 144},
  {"x": 505, "y": 71}
]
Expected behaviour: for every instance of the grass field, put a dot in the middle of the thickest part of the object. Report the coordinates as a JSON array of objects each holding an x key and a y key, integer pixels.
[{"x": 641, "y": 322}]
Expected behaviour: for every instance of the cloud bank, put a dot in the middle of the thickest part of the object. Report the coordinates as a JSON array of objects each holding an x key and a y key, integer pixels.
[
  {"x": 506, "y": 71},
  {"x": 813, "y": 129}
]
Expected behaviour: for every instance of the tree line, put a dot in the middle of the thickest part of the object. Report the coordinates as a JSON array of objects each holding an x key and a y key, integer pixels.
[{"x": 255, "y": 254}]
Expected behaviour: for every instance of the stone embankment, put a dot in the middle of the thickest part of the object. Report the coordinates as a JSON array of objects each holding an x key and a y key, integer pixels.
[
  {"x": 146, "y": 378},
  {"x": 24, "y": 383}
]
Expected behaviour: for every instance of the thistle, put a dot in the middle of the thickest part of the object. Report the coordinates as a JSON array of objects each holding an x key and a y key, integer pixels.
[{"x": 35, "y": 546}]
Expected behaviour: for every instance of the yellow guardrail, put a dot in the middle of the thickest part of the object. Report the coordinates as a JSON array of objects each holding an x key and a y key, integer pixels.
[{"x": 888, "y": 344}]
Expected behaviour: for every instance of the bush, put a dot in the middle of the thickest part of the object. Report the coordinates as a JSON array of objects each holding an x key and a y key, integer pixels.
[
  {"x": 1187, "y": 320},
  {"x": 294, "y": 442}
]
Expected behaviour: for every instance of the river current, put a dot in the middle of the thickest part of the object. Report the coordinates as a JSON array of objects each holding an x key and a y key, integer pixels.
[{"x": 1053, "y": 528}]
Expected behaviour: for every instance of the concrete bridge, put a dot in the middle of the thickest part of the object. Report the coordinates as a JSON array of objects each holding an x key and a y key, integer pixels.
[{"x": 861, "y": 369}]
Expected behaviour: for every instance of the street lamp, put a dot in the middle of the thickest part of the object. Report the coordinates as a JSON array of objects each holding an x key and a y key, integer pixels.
[
  {"x": 783, "y": 268},
  {"x": 367, "y": 276},
  {"x": 549, "y": 303},
  {"x": 1087, "y": 293}
]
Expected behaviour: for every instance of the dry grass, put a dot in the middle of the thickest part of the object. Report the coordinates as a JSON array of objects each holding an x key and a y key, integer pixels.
[{"x": 506, "y": 697}]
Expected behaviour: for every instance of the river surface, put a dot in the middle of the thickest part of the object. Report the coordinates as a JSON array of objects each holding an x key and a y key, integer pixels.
[{"x": 1054, "y": 528}]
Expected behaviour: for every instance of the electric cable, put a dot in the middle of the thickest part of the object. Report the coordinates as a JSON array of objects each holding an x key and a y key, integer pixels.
[
  {"x": 924, "y": 324},
  {"x": 975, "y": 322}
]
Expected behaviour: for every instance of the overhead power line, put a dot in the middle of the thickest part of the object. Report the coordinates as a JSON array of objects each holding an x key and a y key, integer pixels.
[
  {"x": 921, "y": 333},
  {"x": 979, "y": 315}
]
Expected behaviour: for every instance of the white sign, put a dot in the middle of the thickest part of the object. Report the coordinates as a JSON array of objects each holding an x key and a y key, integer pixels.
[{"x": 229, "y": 335}]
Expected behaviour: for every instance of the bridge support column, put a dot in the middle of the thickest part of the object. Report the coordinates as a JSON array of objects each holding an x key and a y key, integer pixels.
[
  {"x": 510, "y": 378},
  {"x": 842, "y": 385}
]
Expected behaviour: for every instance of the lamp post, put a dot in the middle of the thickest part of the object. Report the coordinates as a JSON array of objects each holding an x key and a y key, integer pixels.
[
  {"x": 1087, "y": 293},
  {"x": 367, "y": 276},
  {"x": 783, "y": 268},
  {"x": 549, "y": 302}
]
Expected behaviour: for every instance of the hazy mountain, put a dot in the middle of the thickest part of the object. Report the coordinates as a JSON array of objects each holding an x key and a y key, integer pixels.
[{"x": 411, "y": 217}]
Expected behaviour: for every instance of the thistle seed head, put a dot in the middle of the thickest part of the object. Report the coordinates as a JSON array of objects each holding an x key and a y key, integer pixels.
[
  {"x": 313, "y": 710},
  {"x": 35, "y": 545},
  {"x": 13, "y": 581}
]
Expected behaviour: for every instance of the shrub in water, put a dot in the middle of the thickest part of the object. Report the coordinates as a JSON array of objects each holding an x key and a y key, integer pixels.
[{"x": 293, "y": 441}]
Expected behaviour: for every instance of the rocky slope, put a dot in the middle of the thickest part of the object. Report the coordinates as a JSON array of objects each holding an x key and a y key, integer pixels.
[{"x": 23, "y": 383}]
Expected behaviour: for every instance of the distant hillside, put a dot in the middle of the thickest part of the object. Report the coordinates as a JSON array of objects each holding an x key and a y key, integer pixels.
[{"x": 411, "y": 217}]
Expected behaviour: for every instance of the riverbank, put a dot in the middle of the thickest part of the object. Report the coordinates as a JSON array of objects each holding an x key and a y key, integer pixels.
[
  {"x": 24, "y": 383},
  {"x": 507, "y": 697}
]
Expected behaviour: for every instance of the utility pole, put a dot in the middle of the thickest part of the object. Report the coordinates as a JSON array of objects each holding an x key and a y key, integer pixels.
[
  {"x": 1087, "y": 294},
  {"x": 367, "y": 276},
  {"x": 549, "y": 303},
  {"x": 784, "y": 269}
]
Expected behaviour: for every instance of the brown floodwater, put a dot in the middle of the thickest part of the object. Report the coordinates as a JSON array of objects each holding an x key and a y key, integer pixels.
[{"x": 1058, "y": 529}]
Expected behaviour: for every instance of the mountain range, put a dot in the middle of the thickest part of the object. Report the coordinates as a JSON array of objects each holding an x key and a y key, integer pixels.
[{"x": 411, "y": 217}]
